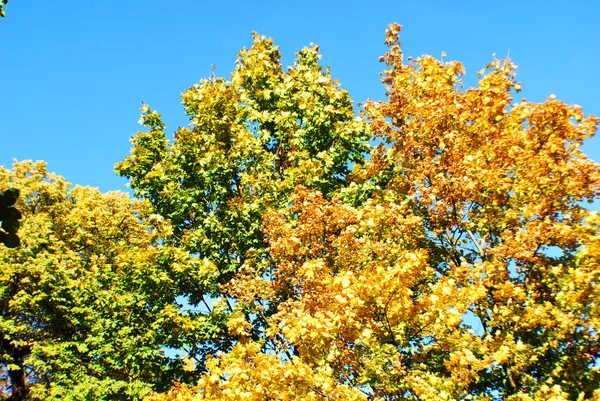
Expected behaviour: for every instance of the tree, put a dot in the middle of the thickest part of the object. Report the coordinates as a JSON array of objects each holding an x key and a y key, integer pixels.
[
  {"x": 458, "y": 263},
  {"x": 252, "y": 140},
  {"x": 88, "y": 302},
  {"x": 500, "y": 187}
]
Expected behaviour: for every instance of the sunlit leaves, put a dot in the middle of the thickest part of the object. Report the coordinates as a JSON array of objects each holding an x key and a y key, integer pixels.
[
  {"x": 252, "y": 139},
  {"x": 89, "y": 300},
  {"x": 500, "y": 186},
  {"x": 459, "y": 262}
]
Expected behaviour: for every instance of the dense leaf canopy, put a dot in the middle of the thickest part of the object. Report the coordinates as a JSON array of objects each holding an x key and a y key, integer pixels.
[
  {"x": 88, "y": 301},
  {"x": 458, "y": 263},
  {"x": 436, "y": 245},
  {"x": 252, "y": 140}
]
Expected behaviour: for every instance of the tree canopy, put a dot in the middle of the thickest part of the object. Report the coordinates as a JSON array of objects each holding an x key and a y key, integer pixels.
[
  {"x": 251, "y": 141},
  {"x": 88, "y": 301},
  {"x": 459, "y": 262},
  {"x": 435, "y": 245}
]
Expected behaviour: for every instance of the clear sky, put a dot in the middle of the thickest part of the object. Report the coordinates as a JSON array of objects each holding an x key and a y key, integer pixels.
[{"x": 74, "y": 72}]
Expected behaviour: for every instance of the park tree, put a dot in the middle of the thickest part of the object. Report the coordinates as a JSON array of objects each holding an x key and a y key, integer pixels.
[
  {"x": 459, "y": 262},
  {"x": 252, "y": 139},
  {"x": 88, "y": 301}
]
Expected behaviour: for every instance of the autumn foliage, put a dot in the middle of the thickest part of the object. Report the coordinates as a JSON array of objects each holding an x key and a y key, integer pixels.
[
  {"x": 88, "y": 301},
  {"x": 436, "y": 246}
]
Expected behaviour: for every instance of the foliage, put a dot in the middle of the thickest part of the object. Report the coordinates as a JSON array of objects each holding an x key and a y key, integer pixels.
[
  {"x": 9, "y": 216},
  {"x": 2, "y": 4},
  {"x": 460, "y": 262},
  {"x": 252, "y": 140},
  {"x": 500, "y": 187},
  {"x": 88, "y": 301},
  {"x": 456, "y": 260}
]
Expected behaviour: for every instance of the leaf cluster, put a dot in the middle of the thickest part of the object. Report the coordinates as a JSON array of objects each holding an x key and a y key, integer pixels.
[{"x": 2, "y": 4}]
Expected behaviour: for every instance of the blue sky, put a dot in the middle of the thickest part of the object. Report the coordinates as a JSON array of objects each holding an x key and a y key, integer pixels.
[{"x": 74, "y": 73}]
